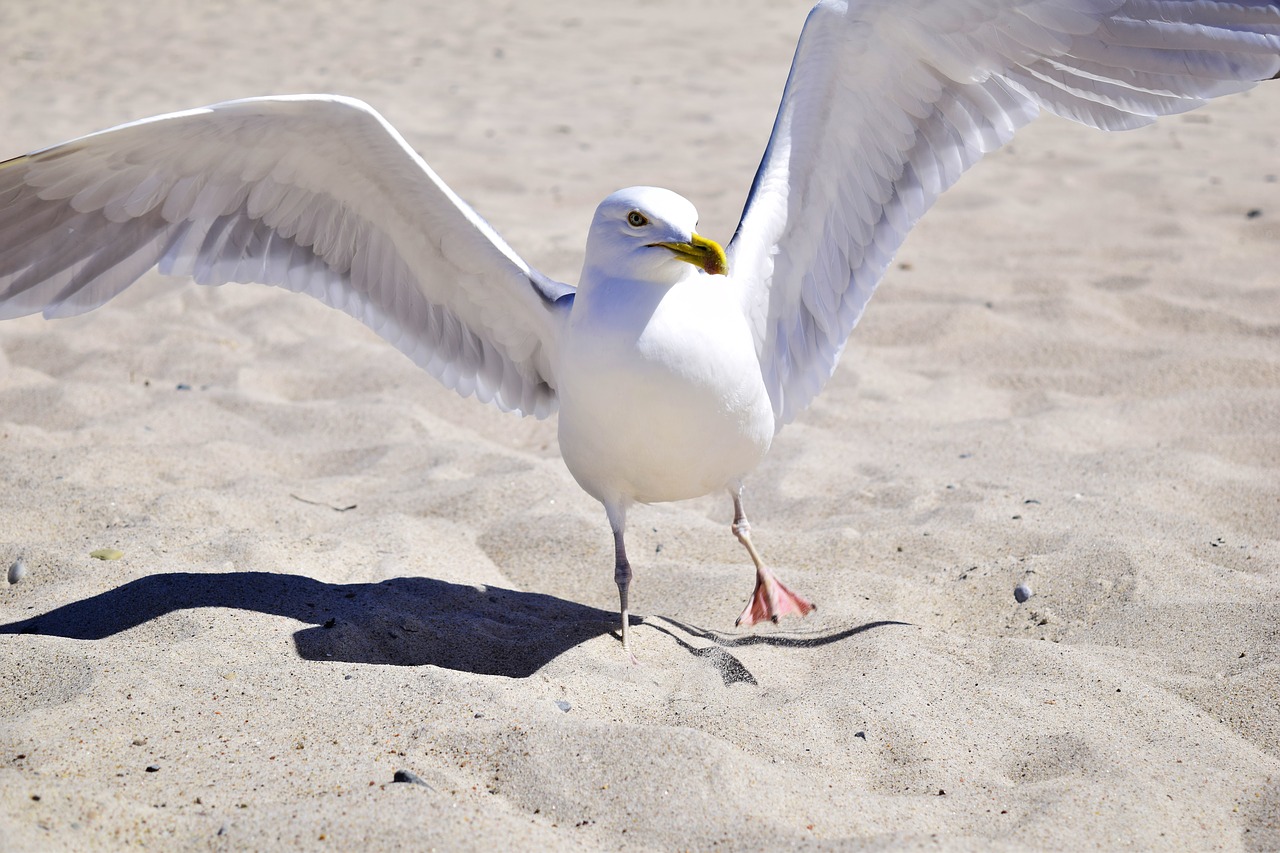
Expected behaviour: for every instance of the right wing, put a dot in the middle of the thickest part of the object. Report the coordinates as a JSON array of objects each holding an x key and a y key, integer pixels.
[
  {"x": 889, "y": 101},
  {"x": 314, "y": 193}
]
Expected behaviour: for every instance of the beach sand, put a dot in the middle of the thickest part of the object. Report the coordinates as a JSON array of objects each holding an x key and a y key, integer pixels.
[{"x": 334, "y": 570}]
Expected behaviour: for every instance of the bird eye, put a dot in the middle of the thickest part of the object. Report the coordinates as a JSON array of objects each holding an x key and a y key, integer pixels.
[{"x": 636, "y": 219}]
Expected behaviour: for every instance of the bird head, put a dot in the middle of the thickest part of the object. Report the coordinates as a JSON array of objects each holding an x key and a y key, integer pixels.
[{"x": 646, "y": 234}]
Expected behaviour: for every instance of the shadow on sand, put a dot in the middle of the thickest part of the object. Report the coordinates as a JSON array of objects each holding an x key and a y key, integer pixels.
[{"x": 401, "y": 621}]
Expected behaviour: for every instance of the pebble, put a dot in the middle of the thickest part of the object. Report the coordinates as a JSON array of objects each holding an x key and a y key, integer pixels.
[
  {"x": 18, "y": 570},
  {"x": 563, "y": 705},
  {"x": 408, "y": 777},
  {"x": 1021, "y": 593},
  {"x": 153, "y": 768}
]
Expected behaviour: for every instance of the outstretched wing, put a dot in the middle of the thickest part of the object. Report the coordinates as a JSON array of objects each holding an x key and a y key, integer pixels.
[
  {"x": 889, "y": 101},
  {"x": 314, "y": 193}
]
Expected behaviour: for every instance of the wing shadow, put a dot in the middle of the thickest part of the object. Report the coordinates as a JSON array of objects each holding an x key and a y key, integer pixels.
[{"x": 401, "y": 621}]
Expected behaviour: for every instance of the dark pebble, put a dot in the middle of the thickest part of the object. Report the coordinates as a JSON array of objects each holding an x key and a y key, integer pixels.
[
  {"x": 408, "y": 777},
  {"x": 1253, "y": 214},
  {"x": 182, "y": 386},
  {"x": 153, "y": 768},
  {"x": 1021, "y": 593}
]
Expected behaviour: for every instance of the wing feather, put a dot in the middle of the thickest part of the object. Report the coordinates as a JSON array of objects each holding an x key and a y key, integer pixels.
[
  {"x": 313, "y": 193},
  {"x": 889, "y": 101}
]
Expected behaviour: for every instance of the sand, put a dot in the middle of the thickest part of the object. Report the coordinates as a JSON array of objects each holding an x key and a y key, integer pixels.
[{"x": 334, "y": 570}]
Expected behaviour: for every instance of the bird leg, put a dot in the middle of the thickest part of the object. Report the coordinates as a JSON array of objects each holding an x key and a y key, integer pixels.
[
  {"x": 770, "y": 599},
  {"x": 622, "y": 577}
]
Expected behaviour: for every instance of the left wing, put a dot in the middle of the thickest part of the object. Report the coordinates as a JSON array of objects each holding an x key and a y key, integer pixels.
[
  {"x": 889, "y": 101},
  {"x": 314, "y": 193}
]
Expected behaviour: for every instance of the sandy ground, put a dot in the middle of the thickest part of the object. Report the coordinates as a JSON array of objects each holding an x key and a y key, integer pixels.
[{"x": 333, "y": 569}]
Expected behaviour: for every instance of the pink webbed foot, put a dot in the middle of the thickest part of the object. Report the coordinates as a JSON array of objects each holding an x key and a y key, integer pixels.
[{"x": 771, "y": 600}]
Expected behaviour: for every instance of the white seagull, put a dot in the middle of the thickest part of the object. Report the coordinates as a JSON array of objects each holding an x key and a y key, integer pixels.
[{"x": 674, "y": 363}]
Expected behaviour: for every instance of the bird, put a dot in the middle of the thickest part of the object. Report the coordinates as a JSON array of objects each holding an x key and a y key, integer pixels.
[{"x": 674, "y": 361}]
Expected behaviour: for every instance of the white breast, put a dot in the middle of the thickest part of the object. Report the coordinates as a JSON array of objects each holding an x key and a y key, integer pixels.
[{"x": 661, "y": 396}]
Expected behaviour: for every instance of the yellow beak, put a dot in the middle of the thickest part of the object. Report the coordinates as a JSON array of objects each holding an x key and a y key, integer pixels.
[{"x": 702, "y": 253}]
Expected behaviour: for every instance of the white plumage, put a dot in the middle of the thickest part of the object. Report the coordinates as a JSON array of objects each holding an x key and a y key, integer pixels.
[
  {"x": 317, "y": 194},
  {"x": 671, "y": 377}
]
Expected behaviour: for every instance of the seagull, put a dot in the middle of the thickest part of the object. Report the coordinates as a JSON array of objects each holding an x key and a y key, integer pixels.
[{"x": 674, "y": 361}]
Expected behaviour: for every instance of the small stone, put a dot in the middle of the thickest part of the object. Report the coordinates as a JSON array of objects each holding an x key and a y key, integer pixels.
[
  {"x": 563, "y": 705},
  {"x": 106, "y": 554},
  {"x": 153, "y": 768},
  {"x": 18, "y": 570},
  {"x": 1021, "y": 593},
  {"x": 408, "y": 777}
]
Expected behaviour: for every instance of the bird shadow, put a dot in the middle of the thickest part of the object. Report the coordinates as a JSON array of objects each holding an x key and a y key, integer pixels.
[
  {"x": 485, "y": 630},
  {"x": 730, "y": 667}
]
